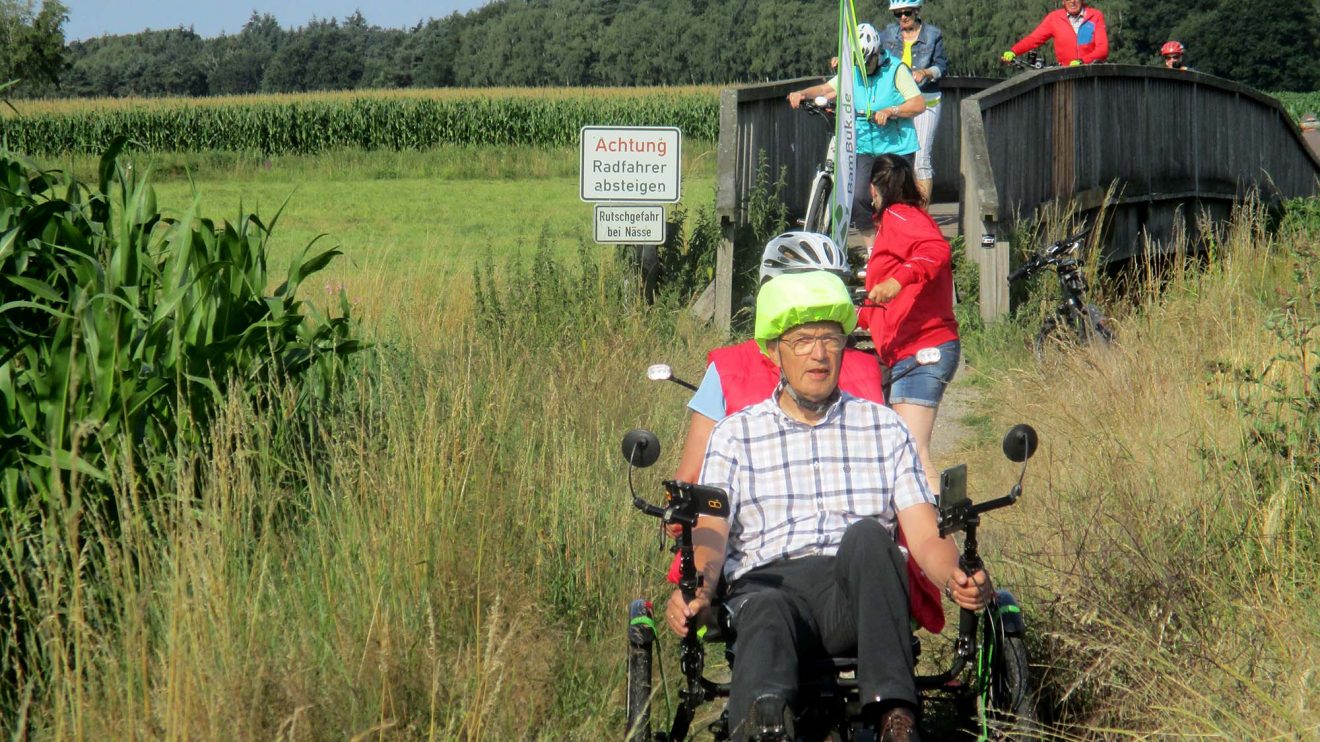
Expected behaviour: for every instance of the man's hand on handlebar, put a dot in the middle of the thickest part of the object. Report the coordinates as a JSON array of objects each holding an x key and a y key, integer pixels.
[
  {"x": 679, "y": 611},
  {"x": 1007, "y": 57},
  {"x": 795, "y": 98},
  {"x": 971, "y": 593}
]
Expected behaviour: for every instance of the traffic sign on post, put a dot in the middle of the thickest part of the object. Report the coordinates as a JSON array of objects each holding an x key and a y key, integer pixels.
[
  {"x": 639, "y": 164},
  {"x": 631, "y": 224}
]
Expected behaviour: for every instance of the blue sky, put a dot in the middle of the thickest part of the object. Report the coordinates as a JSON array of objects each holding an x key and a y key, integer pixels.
[{"x": 92, "y": 18}]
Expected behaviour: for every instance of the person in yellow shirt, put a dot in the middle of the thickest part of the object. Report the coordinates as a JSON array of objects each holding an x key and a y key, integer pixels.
[{"x": 921, "y": 47}]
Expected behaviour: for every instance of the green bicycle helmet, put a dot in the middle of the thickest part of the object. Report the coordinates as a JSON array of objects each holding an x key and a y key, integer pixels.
[{"x": 793, "y": 299}]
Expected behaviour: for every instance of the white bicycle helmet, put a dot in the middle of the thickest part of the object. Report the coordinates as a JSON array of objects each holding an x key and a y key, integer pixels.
[
  {"x": 869, "y": 38},
  {"x": 800, "y": 252},
  {"x": 901, "y": 4}
]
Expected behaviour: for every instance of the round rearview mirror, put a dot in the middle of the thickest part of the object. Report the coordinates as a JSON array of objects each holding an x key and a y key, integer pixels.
[
  {"x": 640, "y": 447},
  {"x": 927, "y": 356},
  {"x": 659, "y": 372},
  {"x": 1020, "y": 442},
  {"x": 822, "y": 101}
]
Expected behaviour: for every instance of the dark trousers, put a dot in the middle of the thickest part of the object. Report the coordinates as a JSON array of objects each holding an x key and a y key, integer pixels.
[{"x": 852, "y": 604}]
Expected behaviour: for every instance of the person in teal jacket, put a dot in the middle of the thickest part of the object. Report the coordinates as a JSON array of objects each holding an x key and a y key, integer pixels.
[{"x": 890, "y": 98}]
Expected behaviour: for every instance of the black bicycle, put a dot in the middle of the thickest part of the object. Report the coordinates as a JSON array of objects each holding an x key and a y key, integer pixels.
[
  {"x": 988, "y": 679},
  {"x": 1074, "y": 320},
  {"x": 1031, "y": 60}
]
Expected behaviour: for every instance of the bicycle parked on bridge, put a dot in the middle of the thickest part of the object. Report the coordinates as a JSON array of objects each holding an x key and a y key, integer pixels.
[{"x": 1073, "y": 320}]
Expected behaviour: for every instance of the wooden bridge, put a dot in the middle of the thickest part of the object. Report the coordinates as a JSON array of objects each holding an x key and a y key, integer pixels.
[{"x": 1172, "y": 146}]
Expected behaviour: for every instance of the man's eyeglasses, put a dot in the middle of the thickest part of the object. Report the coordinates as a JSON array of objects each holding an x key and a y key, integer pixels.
[
  {"x": 904, "y": 13},
  {"x": 803, "y": 345}
]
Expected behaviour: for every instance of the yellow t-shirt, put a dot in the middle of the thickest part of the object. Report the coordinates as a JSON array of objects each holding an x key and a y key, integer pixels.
[{"x": 932, "y": 99}]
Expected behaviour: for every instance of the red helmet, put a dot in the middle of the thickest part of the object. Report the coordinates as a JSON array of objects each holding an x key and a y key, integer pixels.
[{"x": 1172, "y": 47}]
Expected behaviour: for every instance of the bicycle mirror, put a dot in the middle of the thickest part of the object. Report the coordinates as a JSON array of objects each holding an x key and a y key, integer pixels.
[
  {"x": 640, "y": 447},
  {"x": 1020, "y": 442},
  {"x": 659, "y": 372}
]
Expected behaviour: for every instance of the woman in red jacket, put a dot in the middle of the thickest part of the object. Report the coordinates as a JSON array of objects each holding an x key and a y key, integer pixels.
[{"x": 909, "y": 285}]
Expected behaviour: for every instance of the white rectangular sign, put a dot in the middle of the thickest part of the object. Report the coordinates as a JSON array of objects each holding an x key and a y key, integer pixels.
[
  {"x": 631, "y": 163},
  {"x": 630, "y": 225}
]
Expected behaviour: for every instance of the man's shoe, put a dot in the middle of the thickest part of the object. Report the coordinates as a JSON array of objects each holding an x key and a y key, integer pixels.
[
  {"x": 898, "y": 724},
  {"x": 769, "y": 720}
]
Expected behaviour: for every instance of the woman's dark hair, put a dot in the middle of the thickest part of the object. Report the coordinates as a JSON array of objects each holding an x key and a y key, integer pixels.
[{"x": 896, "y": 182}]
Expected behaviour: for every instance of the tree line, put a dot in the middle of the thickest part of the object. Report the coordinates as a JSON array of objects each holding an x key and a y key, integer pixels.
[{"x": 1262, "y": 43}]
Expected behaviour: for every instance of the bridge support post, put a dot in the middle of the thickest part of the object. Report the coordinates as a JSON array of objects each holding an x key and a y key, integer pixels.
[{"x": 985, "y": 245}]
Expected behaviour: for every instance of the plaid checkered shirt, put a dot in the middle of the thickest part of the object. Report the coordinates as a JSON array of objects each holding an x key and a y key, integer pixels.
[{"x": 795, "y": 488}]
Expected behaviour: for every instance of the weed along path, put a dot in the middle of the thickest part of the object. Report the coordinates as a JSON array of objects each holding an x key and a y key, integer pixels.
[{"x": 951, "y": 430}]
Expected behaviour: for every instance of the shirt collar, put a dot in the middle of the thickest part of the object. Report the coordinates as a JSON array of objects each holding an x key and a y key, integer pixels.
[{"x": 830, "y": 413}]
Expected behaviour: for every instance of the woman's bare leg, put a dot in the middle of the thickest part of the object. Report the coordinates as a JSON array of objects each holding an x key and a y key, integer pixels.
[{"x": 921, "y": 422}]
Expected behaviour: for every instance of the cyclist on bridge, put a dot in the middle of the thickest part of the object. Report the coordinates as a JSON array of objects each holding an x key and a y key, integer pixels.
[
  {"x": 1173, "y": 52},
  {"x": 818, "y": 480},
  {"x": 1078, "y": 32},
  {"x": 890, "y": 98},
  {"x": 921, "y": 47}
]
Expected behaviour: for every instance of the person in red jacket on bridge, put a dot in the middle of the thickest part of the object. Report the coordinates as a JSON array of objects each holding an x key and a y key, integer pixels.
[
  {"x": 740, "y": 375},
  {"x": 1078, "y": 32}
]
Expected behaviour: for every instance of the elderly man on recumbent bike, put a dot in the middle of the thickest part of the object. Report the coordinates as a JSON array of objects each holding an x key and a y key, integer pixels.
[{"x": 818, "y": 480}]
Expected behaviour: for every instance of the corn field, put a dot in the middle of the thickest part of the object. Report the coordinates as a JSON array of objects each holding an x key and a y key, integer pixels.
[{"x": 299, "y": 125}]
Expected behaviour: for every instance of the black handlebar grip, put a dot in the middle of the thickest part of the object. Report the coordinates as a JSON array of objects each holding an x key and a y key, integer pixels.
[{"x": 1019, "y": 273}]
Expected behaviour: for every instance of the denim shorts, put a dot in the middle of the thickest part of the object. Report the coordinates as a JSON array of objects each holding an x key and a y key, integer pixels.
[{"x": 924, "y": 385}]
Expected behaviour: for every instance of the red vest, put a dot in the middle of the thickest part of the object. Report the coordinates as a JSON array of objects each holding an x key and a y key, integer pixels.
[{"x": 747, "y": 377}]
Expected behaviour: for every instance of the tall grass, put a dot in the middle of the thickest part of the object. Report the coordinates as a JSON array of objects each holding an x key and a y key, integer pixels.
[
  {"x": 1169, "y": 545},
  {"x": 457, "y": 567}
]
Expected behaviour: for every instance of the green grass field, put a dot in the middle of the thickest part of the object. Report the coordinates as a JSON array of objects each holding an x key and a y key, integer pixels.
[
  {"x": 457, "y": 562},
  {"x": 412, "y": 225}
]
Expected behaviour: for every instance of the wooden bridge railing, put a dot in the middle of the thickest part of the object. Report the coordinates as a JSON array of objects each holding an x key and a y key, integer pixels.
[
  {"x": 1172, "y": 144},
  {"x": 756, "y": 120}
]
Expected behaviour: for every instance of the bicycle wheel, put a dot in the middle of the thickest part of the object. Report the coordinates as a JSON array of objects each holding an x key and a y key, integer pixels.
[
  {"x": 641, "y": 640},
  {"x": 1045, "y": 338},
  {"x": 1010, "y": 704},
  {"x": 817, "y": 218},
  {"x": 1093, "y": 327}
]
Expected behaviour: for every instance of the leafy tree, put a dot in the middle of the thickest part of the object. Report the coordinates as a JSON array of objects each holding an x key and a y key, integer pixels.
[
  {"x": 321, "y": 56},
  {"x": 32, "y": 44},
  {"x": 1281, "y": 51},
  {"x": 238, "y": 63}
]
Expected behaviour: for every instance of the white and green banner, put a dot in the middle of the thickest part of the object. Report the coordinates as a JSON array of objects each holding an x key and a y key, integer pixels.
[{"x": 845, "y": 134}]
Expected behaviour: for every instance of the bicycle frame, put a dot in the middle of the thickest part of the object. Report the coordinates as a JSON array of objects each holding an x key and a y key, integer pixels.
[{"x": 1072, "y": 311}]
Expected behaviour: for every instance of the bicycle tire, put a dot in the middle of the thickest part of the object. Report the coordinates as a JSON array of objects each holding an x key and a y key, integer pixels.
[
  {"x": 641, "y": 643},
  {"x": 1097, "y": 329},
  {"x": 1011, "y": 708},
  {"x": 1086, "y": 327},
  {"x": 1044, "y": 338},
  {"x": 817, "y": 218}
]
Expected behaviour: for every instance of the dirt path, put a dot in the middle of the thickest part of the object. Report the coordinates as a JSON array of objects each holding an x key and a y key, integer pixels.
[{"x": 950, "y": 432}]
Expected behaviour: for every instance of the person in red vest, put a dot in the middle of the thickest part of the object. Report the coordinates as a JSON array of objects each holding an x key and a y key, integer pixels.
[
  {"x": 740, "y": 375},
  {"x": 1078, "y": 32}
]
